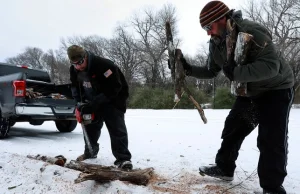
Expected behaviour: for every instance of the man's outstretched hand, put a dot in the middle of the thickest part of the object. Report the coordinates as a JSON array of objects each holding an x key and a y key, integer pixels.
[{"x": 186, "y": 66}]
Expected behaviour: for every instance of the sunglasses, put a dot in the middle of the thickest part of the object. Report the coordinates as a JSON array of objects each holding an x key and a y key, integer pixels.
[
  {"x": 78, "y": 62},
  {"x": 207, "y": 27}
]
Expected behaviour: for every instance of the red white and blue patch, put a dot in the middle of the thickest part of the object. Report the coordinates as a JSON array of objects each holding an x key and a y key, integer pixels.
[{"x": 108, "y": 73}]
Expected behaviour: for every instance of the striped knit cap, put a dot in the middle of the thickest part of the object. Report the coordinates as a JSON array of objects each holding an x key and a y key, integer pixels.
[{"x": 212, "y": 11}]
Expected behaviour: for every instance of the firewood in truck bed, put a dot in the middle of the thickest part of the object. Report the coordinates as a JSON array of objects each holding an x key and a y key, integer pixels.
[{"x": 30, "y": 93}]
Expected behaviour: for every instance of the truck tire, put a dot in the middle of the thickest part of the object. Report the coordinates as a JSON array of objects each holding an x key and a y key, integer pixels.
[
  {"x": 4, "y": 127},
  {"x": 65, "y": 126}
]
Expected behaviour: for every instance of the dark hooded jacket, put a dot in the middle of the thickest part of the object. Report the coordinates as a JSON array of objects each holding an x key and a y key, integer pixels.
[
  {"x": 265, "y": 69},
  {"x": 102, "y": 82}
]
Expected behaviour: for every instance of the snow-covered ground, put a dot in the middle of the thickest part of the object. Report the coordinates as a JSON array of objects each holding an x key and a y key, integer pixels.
[{"x": 174, "y": 142}]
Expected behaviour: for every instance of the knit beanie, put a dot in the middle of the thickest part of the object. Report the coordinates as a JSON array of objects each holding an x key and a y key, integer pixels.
[
  {"x": 75, "y": 52},
  {"x": 212, "y": 11}
]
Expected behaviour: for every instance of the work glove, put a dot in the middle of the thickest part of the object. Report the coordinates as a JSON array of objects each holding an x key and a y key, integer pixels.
[
  {"x": 93, "y": 105},
  {"x": 86, "y": 108},
  {"x": 186, "y": 66},
  {"x": 228, "y": 69}
]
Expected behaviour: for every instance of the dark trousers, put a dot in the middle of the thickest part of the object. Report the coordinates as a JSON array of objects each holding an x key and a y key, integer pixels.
[
  {"x": 271, "y": 111},
  {"x": 241, "y": 121},
  {"x": 115, "y": 123}
]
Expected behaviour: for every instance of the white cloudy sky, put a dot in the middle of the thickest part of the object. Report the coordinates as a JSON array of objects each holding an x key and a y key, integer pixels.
[{"x": 43, "y": 23}]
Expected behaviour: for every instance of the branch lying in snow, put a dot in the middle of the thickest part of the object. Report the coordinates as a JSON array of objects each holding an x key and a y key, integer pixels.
[
  {"x": 253, "y": 173},
  {"x": 13, "y": 187},
  {"x": 102, "y": 173},
  {"x": 110, "y": 173},
  {"x": 58, "y": 160}
]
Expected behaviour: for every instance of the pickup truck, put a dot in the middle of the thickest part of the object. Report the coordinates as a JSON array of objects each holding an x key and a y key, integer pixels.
[{"x": 28, "y": 95}]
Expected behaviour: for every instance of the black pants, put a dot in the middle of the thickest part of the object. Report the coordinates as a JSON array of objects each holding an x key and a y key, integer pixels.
[
  {"x": 271, "y": 111},
  {"x": 241, "y": 121},
  {"x": 115, "y": 123}
]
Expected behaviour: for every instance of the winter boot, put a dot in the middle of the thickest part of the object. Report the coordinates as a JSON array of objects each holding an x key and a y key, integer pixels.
[
  {"x": 280, "y": 190},
  {"x": 84, "y": 157},
  {"x": 87, "y": 154},
  {"x": 124, "y": 164},
  {"x": 215, "y": 171}
]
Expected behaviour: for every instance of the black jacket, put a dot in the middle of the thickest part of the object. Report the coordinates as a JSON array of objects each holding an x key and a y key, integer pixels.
[{"x": 107, "y": 81}]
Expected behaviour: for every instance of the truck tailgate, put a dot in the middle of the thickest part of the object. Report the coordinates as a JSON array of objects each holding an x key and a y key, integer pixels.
[{"x": 56, "y": 108}]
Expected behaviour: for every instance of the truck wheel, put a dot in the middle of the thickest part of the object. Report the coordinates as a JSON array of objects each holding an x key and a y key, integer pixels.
[
  {"x": 4, "y": 127},
  {"x": 65, "y": 125}
]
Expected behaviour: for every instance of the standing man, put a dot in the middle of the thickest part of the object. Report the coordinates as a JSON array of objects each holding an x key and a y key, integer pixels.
[
  {"x": 269, "y": 96},
  {"x": 100, "y": 84}
]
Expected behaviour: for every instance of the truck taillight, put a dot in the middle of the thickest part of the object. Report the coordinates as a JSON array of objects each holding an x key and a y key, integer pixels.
[
  {"x": 24, "y": 66},
  {"x": 19, "y": 88}
]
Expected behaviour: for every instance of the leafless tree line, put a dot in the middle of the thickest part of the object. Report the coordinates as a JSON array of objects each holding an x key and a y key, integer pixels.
[
  {"x": 138, "y": 46},
  {"x": 54, "y": 62}
]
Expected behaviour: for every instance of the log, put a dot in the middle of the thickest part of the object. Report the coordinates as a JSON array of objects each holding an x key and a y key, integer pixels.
[
  {"x": 110, "y": 173},
  {"x": 99, "y": 173},
  {"x": 57, "y": 160}
]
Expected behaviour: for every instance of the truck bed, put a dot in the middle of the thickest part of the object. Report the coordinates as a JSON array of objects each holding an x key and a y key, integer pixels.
[
  {"x": 42, "y": 98},
  {"x": 28, "y": 95}
]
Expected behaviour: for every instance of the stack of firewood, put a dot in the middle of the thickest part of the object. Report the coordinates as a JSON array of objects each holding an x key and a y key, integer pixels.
[
  {"x": 57, "y": 96},
  {"x": 32, "y": 94}
]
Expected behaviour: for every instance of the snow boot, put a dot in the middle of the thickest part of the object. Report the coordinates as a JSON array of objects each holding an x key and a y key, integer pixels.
[
  {"x": 84, "y": 157},
  {"x": 124, "y": 164},
  {"x": 215, "y": 171},
  {"x": 87, "y": 154}
]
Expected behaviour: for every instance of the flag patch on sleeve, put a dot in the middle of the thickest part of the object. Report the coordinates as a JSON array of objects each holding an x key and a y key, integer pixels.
[{"x": 108, "y": 73}]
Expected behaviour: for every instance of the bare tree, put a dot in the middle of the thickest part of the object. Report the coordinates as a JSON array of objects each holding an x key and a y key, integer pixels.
[
  {"x": 50, "y": 60},
  {"x": 59, "y": 67},
  {"x": 31, "y": 57},
  {"x": 122, "y": 50},
  {"x": 55, "y": 65},
  {"x": 151, "y": 41},
  {"x": 63, "y": 64}
]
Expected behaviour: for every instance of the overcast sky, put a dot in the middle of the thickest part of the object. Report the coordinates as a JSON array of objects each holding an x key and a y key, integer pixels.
[{"x": 42, "y": 23}]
